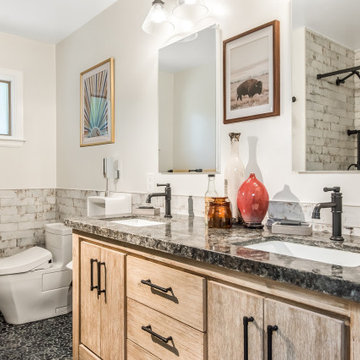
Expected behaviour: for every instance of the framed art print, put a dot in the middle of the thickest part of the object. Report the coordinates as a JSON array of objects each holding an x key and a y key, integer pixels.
[
  {"x": 252, "y": 74},
  {"x": 97, "y": 104}
]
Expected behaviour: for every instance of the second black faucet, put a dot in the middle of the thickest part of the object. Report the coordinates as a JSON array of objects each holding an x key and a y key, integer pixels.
[{"x": 167, "y": 195}]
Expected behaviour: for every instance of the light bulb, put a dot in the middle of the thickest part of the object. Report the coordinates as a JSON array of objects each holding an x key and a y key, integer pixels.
[
  {"x": 158, "y": 13},
  {"x": 156, "y": 22}
]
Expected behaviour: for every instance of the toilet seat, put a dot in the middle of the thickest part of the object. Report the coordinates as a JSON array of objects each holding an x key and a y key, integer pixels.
[{"x": 31, "y": 259}]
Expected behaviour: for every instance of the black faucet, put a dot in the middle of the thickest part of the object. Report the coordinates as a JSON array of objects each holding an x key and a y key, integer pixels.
[
  {"x": 167, "y": 195},
  {"x": 336, "y": 209}
]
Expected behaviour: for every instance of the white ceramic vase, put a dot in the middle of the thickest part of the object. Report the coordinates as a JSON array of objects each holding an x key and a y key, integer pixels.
[{"x": 234, "y": 175}]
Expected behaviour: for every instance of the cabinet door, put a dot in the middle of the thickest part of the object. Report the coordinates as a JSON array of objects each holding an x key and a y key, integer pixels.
[
  {"x": 302, "y": 334},
  {"x": 89, "y": 302},
  {"x": 227, "y": 307},
  {"x": 112, "y": 269}
]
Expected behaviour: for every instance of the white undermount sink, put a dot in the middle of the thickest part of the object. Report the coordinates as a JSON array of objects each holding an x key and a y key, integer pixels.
[
  {"x": 314, "y": 253},
  {"x": 137, "y": 222}
]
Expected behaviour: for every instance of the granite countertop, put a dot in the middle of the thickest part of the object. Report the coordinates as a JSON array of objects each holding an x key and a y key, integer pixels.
[{"x": 189, "y": 238}]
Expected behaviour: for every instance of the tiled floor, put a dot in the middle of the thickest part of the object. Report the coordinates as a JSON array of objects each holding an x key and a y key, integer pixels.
[{"x": 42, "y": 340}]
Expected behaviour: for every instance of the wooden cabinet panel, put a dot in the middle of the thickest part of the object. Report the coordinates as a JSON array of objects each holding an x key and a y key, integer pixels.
[
  {"x": 86, "y": 354},
  {"x": 135, "y": 352},
  {"x": 226, "y": 308},
  {"x": 303, "y": 334},
  {"x": 186, "y": 344},
  {"x": 112, "y": 305},
  {"x": 89, "y": 302},
  {"x": 186, "y": 300}
]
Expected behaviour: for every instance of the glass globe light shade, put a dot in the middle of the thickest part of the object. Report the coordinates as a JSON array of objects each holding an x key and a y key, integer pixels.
[
  {"x": 156, "y": 22},
  {"x": 192, "y": 10}
]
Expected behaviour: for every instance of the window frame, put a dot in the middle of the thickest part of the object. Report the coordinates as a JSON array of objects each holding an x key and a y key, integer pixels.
[
  {"x": 9, "y": 105},
  {"x": 16, "y": 131}
]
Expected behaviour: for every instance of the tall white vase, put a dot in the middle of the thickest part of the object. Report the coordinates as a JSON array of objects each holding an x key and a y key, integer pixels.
[{"x": 234, "y": 174}]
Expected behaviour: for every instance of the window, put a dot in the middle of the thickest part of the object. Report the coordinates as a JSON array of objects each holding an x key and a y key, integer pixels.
[
  {"x": 11, "y": 108},
  {"x": 5, "y": 107}
]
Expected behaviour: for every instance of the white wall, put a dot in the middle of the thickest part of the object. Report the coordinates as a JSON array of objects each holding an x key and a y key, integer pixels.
[
  {"x": 32, "y": 165},
  {"x": 117, "y": 32}
]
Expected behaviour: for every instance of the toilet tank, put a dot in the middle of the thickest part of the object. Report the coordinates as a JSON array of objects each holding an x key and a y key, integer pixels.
[{"x": 58, "y": 240}]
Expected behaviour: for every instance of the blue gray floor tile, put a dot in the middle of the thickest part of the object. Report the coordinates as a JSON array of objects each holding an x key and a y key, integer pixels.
[{"x": 41, "y": 340}]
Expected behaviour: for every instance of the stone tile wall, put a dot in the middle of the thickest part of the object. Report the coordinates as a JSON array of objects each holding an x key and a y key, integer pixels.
[
  {"x": 23, "y": 214},
  {"x": 330, "y": 109},
  {"x": 303, "y": 211},
  {"x": 72, "y": 202}
]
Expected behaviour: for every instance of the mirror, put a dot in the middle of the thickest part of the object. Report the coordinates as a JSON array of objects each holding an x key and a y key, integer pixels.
[
  {"x": 188, "y": 75},
  {"x": 326, "y": 85}
]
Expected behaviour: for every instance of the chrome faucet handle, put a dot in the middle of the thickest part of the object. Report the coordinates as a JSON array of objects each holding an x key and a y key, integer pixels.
[{"x": 334, "y": 189}]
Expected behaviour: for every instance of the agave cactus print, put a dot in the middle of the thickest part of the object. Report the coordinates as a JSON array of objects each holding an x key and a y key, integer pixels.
[{"x": 97, "y": 104}]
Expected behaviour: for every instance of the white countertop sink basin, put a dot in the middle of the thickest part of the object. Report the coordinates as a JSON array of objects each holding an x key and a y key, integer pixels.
[
  {"x": 314, "y": 253},
  {"x": 137, "y": 222}
]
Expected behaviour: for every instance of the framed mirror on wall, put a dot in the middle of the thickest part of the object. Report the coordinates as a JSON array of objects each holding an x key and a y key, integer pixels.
[
  {"x": 189, "y": 111},
  {"x": 326, "y": 85}
]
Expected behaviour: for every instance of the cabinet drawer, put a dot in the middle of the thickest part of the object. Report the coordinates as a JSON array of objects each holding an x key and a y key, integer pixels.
[
  {"x": 136, "y": 352},
  {"x": 186, "y": 343},
  {"x": 185, "y": 301}
]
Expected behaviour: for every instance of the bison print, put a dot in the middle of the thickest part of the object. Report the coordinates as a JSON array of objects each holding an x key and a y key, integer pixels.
[
  {"x": 249, "y": 87},
  {"x": 250, "y": 92}
]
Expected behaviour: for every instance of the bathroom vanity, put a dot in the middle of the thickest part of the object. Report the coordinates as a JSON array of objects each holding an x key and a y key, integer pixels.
[{"x": 178, "y": 290}]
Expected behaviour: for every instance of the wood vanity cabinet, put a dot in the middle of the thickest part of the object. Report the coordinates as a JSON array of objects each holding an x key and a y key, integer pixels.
[
  {"x": 232, "y": 313},
  {"x": 161, "y": 307},
  {"x": 239, "y": 323},
  {"x": 302, "y": 334},
  {"x": 102, "y": 302}
]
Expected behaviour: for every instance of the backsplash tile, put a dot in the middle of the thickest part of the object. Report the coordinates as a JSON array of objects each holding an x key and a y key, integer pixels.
[{"x": 23, "y": 213}]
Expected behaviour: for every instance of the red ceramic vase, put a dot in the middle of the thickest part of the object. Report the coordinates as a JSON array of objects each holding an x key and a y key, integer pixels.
[{"x": 253, "y": 202}]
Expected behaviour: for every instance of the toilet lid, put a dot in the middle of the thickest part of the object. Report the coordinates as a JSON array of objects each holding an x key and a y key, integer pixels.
[{"x": 25, "y": 261}]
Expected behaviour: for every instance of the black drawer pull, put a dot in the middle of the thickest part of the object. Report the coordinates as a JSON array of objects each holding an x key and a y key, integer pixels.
[
  {"x": 157, "y": 287},
  {"x": 100, "y": 291},
  {"x": 270, "y": 330},
  {"x": 149, "y": 330},
  {"x": 246, "y": 321},
  {"x": 92, "y": 287}
]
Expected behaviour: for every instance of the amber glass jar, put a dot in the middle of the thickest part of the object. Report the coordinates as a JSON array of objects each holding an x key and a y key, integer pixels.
[{"x": 219, "y": 214}]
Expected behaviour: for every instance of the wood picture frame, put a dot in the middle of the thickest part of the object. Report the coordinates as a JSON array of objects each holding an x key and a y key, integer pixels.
[
  {"x": 251, "y": 74},
  {"x": 97, "y": 105}
]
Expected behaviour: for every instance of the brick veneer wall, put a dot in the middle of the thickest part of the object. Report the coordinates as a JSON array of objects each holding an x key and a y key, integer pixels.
[
  {"x": 330, "y": 109},
  {"x": 23, "y": 214}
]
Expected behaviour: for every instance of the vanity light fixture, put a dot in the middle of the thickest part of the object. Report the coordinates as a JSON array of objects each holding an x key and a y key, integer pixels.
[
  {"x": 193, "y": 10},
  {"x": 157, "y": 20}
]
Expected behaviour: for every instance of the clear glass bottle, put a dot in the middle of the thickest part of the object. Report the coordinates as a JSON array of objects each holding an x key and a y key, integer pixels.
[{"x": 210, "y": 195}]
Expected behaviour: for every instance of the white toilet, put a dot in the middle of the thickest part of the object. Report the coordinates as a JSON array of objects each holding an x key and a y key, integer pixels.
[{"x": 35, "y": 284}]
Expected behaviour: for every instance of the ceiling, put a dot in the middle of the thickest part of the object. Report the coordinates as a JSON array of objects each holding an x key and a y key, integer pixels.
[
  {"x": 336, "y": 19},
  {"x": 48, "y": 20}
]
